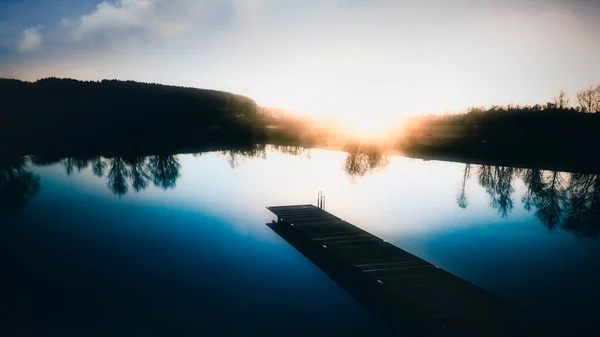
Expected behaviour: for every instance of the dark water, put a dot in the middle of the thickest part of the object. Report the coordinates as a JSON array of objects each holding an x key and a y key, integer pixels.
[{"x": 177, "y": 245}]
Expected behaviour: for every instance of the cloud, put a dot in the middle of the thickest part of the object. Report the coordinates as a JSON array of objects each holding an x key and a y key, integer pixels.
[
  {"x": 114, "y": 19},
  {"x": 31, "y": 40},
  {"x": 142, "y": 19}
]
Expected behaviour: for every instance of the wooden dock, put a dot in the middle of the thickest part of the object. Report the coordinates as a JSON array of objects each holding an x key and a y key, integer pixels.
[{"x": 413, "y": 296}]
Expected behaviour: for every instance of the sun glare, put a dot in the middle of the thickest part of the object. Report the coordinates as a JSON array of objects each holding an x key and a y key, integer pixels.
[{"x": 370, "y": 127}]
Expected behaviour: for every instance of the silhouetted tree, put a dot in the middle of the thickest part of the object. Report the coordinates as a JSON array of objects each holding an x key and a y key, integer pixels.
[
  {"x": 562, "y": 100},
  {"x": 17, "y": 184},
  {"x": 589, "y": 99}
]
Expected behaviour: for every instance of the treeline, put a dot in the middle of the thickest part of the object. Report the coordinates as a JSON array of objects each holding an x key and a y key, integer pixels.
[
  {"x": 552, "y": 135},
  {"x": 67, "y": 116}
]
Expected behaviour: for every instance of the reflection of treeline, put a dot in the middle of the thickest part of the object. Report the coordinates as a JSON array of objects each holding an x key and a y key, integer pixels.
[
  {"x": 64, "y": 115},
  {"x": 363, "y": 158},
  {"x": 17, "y": 183},
  {"x": 136, "y": 172},
  {"x": 235, "y": 156},
  {"x": 561, "y": 200},
  {"x": 124, "y": 172},
  {"x": 552, "y": 135},
  {"x": 291, "y": 150}
]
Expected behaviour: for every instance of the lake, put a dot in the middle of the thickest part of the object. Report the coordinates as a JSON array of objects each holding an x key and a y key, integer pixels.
[{"x": 177, "y": 244}]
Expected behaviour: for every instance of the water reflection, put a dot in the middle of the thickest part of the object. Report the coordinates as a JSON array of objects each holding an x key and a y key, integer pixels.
[
  {"x": 560, "y": 200},
  {"x": 127, "y": 171},
  {"x": 292, "y": 150},
  {"x": 117, "y": 176},
  {"x": 138, "y": 172},
  {"x": 497, "y": 182},
  {"x": 582, "y": 212},
  {"x": 17, "y": 183},
  {"x": 462, "y": 200},
  {"x": 236, "y": 156},
  {"x": 164, "y": 171},
  {"x": 98, "y": 167},
  {"x": 361, "y": 161},
  {"x": 547, "y": 192}
]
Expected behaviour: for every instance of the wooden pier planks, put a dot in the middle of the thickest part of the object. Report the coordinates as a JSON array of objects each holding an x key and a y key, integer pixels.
[{"x": 414, "y": 296}]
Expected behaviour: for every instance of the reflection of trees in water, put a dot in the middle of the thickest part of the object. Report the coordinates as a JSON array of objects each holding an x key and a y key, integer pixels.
[
  {"x": 129, "y": 171},
  {"x": 138, "y": 171},
  {"x": 561, "y": 200},
  {"x": 358, "y": 164},
  {"x": 462, "y": 200},
  {"x": 291, "y": 150},
  {"x": 545, "y": 192},
  {"x": 117, "y": 176},
  {"x": 234, "y": 157},
  {"x": 582, "y": 213},
  {"x": 550, "y": 199},
  {"x": 497, "y": 182},
  {"x": 164, "y": 170},
  {"x": 534, "y": 181},
  {"x": 122, "y": 172},
  {"x": 72, "y": 163},
  {"x": 363, "y": 158},
  {"x": 17, "y": 184},
  {"x": 98, "y": 166}
]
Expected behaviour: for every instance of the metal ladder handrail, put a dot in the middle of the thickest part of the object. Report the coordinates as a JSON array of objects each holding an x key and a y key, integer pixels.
[
  {"x": 319, "y": 196},
  {"x": 321, "y": 200}
]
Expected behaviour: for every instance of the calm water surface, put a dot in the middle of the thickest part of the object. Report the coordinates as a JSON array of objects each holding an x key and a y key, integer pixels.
[{"x": 177, "y": 245}]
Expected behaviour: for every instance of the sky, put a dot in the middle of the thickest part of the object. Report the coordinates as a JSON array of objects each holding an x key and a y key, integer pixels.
[{"x": 363, "y": 60}]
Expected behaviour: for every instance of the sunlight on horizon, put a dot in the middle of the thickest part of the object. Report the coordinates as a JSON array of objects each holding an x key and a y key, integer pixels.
[
  {"x": 367, "y": 63},
  {"x": 364, "y": 108}
]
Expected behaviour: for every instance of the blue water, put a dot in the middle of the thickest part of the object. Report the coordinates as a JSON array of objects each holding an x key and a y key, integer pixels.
[{"x": 195, "y": 257}]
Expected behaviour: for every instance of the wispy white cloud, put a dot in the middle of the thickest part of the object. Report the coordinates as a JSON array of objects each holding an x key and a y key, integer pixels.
[
  {"x": 140, "y": 19},
  {"x": 31, "y": 40}
]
